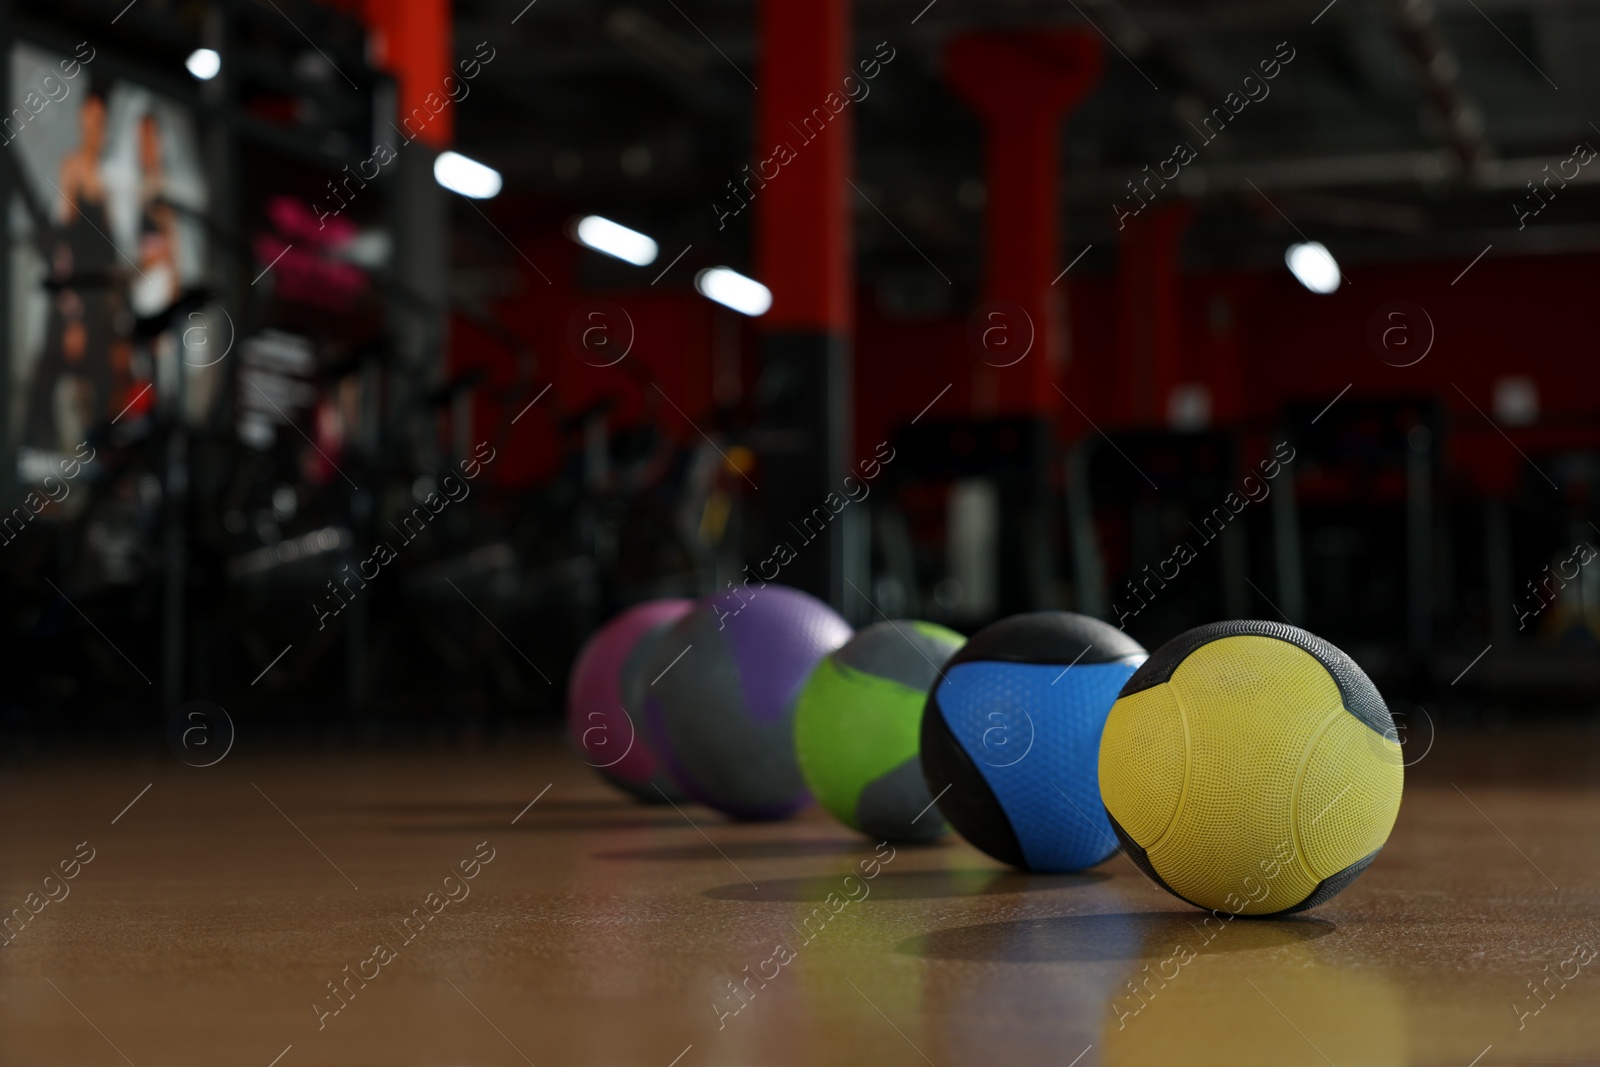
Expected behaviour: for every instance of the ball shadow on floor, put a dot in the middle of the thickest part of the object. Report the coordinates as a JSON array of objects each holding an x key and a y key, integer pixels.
[
  {"x": 488, "y": 808},
  {"x": 1115, "y": 936},
  {"x": 740, "y": 850},
  {"x": 564, "y": 824},
  {"x": 907, "y": 885}
]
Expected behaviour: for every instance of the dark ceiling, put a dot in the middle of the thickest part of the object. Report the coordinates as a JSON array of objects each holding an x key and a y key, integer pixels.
[{"x": 1399, "y": 130}]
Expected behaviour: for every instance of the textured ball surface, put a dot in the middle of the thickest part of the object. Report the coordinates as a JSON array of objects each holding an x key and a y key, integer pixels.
[
  {"x": 720, "y": 698},
  {"x": 1011, "y": 734},
  {"x": 604, "y": 695},
  {"x": 1251, "y": 767},
  {"x": 856, "y": 729}
]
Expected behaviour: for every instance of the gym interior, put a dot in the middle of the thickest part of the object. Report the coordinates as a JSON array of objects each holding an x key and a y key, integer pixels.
[{"x": 367, "y": 361}]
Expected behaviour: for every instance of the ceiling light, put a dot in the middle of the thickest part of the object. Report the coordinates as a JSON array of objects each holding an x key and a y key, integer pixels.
[
  {"x": 1314, "y": 266},
  {"x": 466, "y": 176},
  {"x": 204, "y": 63},
  {"x": 732, "y": 289},
  {"x": 615, "y": 239}
]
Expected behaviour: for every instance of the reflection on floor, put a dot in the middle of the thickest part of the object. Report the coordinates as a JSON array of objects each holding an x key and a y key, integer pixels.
[{"x": 230, "y": 910}]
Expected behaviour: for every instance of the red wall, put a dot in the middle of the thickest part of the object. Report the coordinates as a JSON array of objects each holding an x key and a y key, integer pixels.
[
  {"x": 671, "y": 345},
  {"x": 1532, "y": 316},
  {"x": 1272, "y": 343}
]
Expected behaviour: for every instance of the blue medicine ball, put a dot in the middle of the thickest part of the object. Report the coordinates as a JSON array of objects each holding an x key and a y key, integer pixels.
[{"x": 1011, "y": 738}]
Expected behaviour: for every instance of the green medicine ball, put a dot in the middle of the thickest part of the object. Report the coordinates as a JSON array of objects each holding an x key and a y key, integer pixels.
[{"x": 857, "y": 725}]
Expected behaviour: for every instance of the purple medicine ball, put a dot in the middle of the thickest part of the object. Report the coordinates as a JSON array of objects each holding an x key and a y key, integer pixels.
[{"x": 720, "y": 707}]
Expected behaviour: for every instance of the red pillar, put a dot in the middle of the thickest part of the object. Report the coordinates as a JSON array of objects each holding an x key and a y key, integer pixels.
[
  {"x": 1150, "y": 313},
  {"x": 1022, "y": 84},
  {"x": 802, "y": 224},
  {"x": 411, "y": 40},
  {"x": 804, "y": 255}
]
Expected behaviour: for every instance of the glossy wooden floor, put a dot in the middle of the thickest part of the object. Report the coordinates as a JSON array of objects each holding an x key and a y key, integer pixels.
[{"x": 218, "y": 907}]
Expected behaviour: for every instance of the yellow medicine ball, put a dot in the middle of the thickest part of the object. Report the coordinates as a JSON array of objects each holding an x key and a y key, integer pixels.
[{"x": 1251, "y": 767}]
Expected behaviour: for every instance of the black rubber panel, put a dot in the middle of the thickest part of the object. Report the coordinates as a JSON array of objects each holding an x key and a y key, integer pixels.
[
  {"x": 889, "y": 808},
  {"x": 1048, "y": 637},
  {"x": 1329, "y": 887},
  {"x": 1326, "y": 890},
  {"x": 962, "y": 792},
  {"x": 1360, "y": 696},
  {"x": 899, "y": 653},
  {"x": 1140, "y": 860}
]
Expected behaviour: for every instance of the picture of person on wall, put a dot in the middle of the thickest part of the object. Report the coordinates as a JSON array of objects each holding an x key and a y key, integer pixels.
[{"x": 74, "y": 377}]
